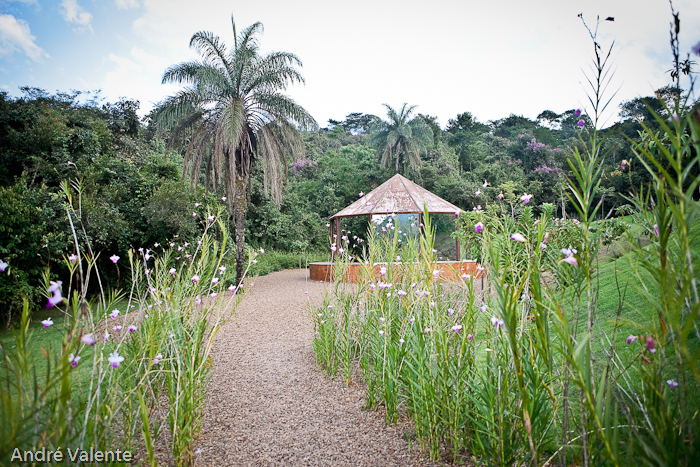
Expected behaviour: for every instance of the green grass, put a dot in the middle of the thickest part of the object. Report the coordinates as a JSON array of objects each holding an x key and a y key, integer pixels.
[
  {"x": 49, "y": 339},
  {"x": 273, "y": 261}
]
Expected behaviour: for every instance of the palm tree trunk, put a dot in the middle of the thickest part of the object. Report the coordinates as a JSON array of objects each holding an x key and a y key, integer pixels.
[{"x": 239, "y": 213}]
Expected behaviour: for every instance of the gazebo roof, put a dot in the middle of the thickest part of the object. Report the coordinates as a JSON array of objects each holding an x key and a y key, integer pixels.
[{"x": 398, "y": 195}]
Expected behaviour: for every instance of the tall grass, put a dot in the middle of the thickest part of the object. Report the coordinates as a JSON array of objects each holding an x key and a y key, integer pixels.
[
  {"x": 129, "y": 378},
  {"x": 532, "y": 371}
]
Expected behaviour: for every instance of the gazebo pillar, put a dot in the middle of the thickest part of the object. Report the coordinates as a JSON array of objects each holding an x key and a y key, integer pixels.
[{"x": 459, "y": 256}]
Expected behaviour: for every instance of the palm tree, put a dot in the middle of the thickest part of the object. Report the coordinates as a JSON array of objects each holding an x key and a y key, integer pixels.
[
  {"x": 401, "y": 139},
  {"x": 232, "y": 111}
]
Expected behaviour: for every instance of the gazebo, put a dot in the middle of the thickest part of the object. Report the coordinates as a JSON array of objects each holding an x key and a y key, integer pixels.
[{"x": 398, "y": 195}]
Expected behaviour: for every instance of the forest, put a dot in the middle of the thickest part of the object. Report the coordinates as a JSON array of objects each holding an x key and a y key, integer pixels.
[{"x": 134, "y": 193}]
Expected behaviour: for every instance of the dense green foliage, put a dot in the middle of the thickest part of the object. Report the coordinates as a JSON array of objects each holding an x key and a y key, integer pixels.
[{"x": 133, "y": 194}]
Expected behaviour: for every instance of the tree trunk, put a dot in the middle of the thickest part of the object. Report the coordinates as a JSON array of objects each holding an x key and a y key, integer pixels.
[{"x": 239, "y": 213}]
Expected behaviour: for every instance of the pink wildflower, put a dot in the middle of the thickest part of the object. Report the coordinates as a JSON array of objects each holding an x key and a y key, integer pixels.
[{"x": 115, "y": 359}]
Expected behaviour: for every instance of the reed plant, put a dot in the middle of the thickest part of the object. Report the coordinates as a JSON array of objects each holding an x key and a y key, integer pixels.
[
  {"x": 530, "y": 370},
  {"x": 132, "y": 365}
]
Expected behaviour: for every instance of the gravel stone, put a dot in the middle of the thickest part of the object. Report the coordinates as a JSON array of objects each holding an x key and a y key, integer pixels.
[{"x": 270, "y": 404}]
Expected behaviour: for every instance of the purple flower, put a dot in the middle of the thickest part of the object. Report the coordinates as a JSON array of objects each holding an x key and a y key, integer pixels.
[
  {"x": 195, "y": 278},
  {"x": 436, "y": 273},
  {"x": 526, "y": 198},
  {"x": 577, "y": 112},
  {"x": 73, "y": 360},
  {"x": 401, "y": 341},
  {"x": 381, "y": 320},
  {"x": 132, "y": 328},
  {"x": 456, "y": 328},
  {"x": 117, "y": 328},
  {"x": 569, "y": 251},
  {"x": 571, "y": 260},
  {"x": 3, "y": 265},
  {"x": 114, "y": 258},
  {"x": 485, "y": 184},
  {"x": 518, "y": 237},
  {"x": 656, "y": 229},
  {"x": 223, "y": 198},
  {"x": 361, "y": 194},
  {"x": 672, "y": 383},
  {"x": 623, "y": 165},
  {"x": 233, "y": 287},
  {"x": 381, "y": 332},
  {"x": 466, "y": 276},
  {"x": 47, "y": 322},
  {"x": 215, "y": 281},
  {"x": 57, "y": 297},
  {"x": 73, "y": 258},
  {"x": 500, "y": 195},
  {"x": 157, "y": 359},
  {"x": 173, "y": 271},
  {"x": 115, "y": 359},
  {"x": 87, "y": 339},
  {"x": 581, "y": 123},
  {"x": 482, "y": 308},
  {"x": 211, "y": 218},
  {"x": 470, "y": 337},
  {"x": 651, "y": 343},
  {"x": 106, "y": 336},
  {"x": 114, "y": 313},
  {"x": 194, "y": 214},
  {"x": 631, "y": 338}
]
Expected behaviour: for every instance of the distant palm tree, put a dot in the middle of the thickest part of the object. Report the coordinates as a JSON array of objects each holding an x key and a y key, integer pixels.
[
  {"x": 402, "y": 139},
  {"x": 231, "y": 111}
]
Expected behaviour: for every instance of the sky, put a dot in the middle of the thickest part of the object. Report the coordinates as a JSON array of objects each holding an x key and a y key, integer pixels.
[{"x": 492, "y": 58}]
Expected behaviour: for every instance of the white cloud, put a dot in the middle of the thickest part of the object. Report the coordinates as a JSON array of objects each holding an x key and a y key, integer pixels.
[
  {"x": 490, "y": 58},
  {"x": 15, "y": 35},
  {"x": 137, "y": 76},
  {"x": 74, "y": 13},
  {"x": 127, "y": 4}
]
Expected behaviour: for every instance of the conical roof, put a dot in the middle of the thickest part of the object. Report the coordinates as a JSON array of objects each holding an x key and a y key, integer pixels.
[{"x": 398, "y": 195}]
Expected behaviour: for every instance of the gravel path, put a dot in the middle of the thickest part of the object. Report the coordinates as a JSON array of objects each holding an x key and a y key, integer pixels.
[{"x": 270, "y": 405}]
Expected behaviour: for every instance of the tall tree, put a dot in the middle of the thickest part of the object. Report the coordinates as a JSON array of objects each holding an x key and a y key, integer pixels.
[
  {"x": 401, "y": 139},
  {"x": 231, "y": 111}
]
